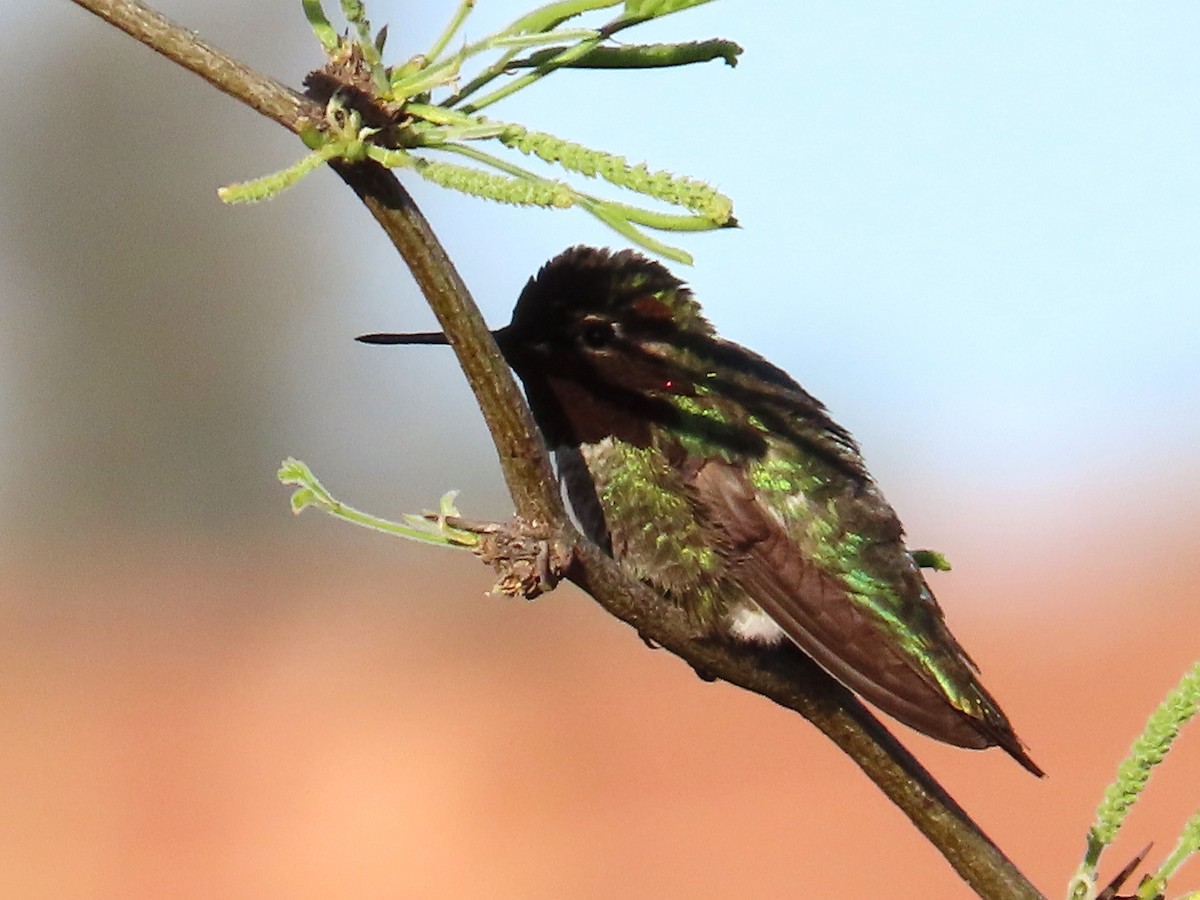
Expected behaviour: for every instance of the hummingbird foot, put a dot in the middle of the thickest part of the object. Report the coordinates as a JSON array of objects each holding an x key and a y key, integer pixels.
[{"x": 528, "y": 558}]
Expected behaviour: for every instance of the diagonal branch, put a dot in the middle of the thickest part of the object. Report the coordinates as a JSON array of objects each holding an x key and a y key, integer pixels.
[{"x": 794, "y": 681}]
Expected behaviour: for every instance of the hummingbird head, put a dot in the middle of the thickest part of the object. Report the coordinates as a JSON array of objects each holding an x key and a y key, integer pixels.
[
  {"x": 587, "y": 300},
  {"x": 605, "y": 344}
]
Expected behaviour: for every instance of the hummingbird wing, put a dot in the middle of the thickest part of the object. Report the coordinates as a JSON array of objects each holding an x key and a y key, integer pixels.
[{"x": 893, "y": 649}]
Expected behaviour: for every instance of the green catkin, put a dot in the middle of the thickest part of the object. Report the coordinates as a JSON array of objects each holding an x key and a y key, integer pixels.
[
  {"x": 501, "y": 188},
  {"x": 269, "y": 185},
  {"x": 680, "y": 191}
]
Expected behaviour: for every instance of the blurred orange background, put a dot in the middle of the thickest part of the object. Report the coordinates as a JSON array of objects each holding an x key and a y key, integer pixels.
[
  {"x": 278, "y": 720},
  {"x": 204, "y": 697}
]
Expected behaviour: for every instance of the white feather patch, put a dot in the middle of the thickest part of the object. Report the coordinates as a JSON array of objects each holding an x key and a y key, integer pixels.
[{"x": 752, "y": 625}]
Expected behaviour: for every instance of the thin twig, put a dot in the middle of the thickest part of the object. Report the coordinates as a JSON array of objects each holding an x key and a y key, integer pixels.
[{"x": 792, "y": 681}]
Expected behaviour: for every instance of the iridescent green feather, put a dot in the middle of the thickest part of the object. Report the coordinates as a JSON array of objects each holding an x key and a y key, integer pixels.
[
  {"x": 666, "y": 546},
  {"x": 798, "y": 488}
]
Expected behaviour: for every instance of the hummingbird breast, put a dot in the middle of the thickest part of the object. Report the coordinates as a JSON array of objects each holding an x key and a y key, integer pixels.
[{"x": 633, "y": 502}]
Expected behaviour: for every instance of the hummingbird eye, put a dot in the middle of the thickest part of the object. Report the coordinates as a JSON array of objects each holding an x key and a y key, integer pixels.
[{"x": 597, "y": 333}]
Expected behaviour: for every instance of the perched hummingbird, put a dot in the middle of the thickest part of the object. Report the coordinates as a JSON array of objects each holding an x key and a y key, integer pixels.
[{"x": 712, "y": 476}]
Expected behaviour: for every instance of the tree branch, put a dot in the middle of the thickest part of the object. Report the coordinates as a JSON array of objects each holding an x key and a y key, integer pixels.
[{"x": 792, "y": 681}]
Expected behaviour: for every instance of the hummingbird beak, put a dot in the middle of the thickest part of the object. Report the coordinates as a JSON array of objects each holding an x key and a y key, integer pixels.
[{"x": 424, "y": 337}]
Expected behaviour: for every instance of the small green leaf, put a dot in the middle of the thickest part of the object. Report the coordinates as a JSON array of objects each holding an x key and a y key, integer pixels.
[
  {"x": 312, "y": 136},
  {"x": 302, "y": 498},
  {"x": 554, "y": 14},
  {"x": 670, "y": 221},
  {"x": 653, "y": 9},
  {"x": 931, "y": 559},
  {"x": 354, "y": 12},
  {"x": 446, "y": 506},
  {"x": 521, "y": 41},
  {"x": 320, "y": 25},
  {"x": 293, "y": 471},
  {"x": 310, "y": 492},
  {"x": 639, "y": 56},
  {"x": 606, "y": 213}
]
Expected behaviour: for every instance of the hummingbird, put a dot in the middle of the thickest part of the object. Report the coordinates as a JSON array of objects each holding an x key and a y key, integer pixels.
[{"x": 712, "y": 476}]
